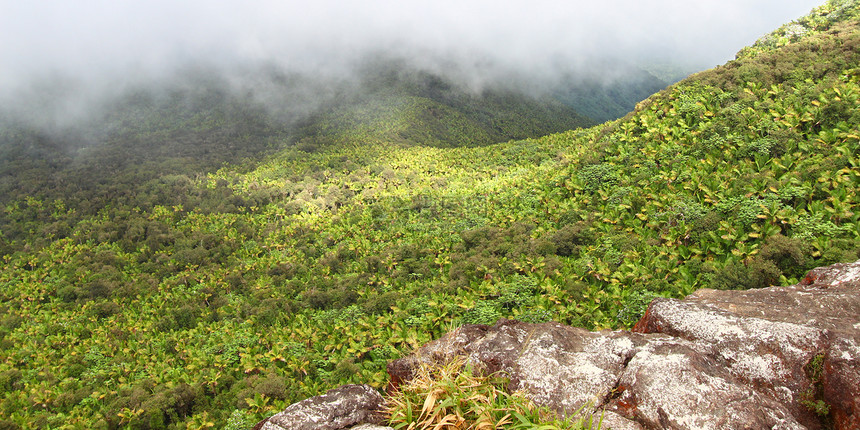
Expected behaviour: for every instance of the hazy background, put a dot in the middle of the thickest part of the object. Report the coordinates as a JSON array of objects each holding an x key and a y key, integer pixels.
[{"x": 81, "y": 50}]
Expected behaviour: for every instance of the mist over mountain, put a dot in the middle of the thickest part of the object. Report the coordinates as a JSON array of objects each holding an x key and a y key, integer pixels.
[{"x": 64, "y": 63}]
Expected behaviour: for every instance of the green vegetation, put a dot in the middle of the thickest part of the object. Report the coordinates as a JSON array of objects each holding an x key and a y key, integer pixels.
[
  {"x": 178, "y": 291},
  {"x": 400, "y": 105},
  {"x": 143, "y": 149},
  {"x": 812, "y": 397}
]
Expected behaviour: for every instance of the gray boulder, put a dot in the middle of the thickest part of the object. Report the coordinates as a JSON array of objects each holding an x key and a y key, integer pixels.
[
  {"x": 672, "y": 384},
  {"x": 768, "y": 356},
  {"x": 344, "y": 407},
  {"x": 370, "y": 427},
  {"x": 797, "y": 345}
]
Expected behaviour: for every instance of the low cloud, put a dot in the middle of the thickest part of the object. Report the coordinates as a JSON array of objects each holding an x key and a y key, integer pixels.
[{"x": 103, "y": 46}]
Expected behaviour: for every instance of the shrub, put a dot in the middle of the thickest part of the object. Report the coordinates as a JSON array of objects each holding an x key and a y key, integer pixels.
[
  {"x": 240, "y": 421},
  {"x": 97, "y": 289},
  {"x": 69, "y": 399},
  {"x": 517, "y": 293},
  {"x": 269, "y": 312},
  {"x": 755, "y": 273},
  {"x": 792, "y": 256},
  {"x": 170, "y": 405},
  {"x": 8, "y": 425},
  {"x": 11, "y": 322},
  {"x": 344, "y": 370},
  {"x": 812, "y": 397},
  {"x": 272, "y": 386},
  {"x": 598, "y": 176},
  {"x": 840, "y": 251},
  {"x": 635, "y": 306},
  {"x": 569, "y": 239},
  {"x": 381, "y": 303},
  {"x": 236, "y": 281},
  {"x": 766, "y": 146},
  {"x": 762, "y": 273},
  {"x": 810, "y": 226},
  {"x": 484, "y": 312},
  {"x": 282, "y": 271},
  {"x": 709, "y": 222},
  {"x": 318, "y": 299},
  {"x": 744, "y": 209},
  {"x": 185, "y": 317},
  {"x": 10, "y": 380},
  {"x": 105, "y": 309}
]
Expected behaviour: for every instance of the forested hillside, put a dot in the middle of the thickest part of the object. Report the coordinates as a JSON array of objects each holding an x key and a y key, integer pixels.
[
  {"x": 149, "y": 287},
  {"x": 192, "y": 125}
]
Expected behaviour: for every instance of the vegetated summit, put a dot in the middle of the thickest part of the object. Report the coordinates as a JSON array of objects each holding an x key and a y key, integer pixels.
[{"x": 200, "y": 262}]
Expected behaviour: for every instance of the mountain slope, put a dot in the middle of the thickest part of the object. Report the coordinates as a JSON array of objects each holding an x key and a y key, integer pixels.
[
  {"x": 400, "y": 104},
  {"x": 121, "y": 155},
  {"x": 605, "y": 98},
  {"x": 224, "y": 295}
]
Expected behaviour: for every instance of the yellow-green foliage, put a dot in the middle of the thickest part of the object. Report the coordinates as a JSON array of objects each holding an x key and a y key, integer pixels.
[{"x": 821, "y": 19}]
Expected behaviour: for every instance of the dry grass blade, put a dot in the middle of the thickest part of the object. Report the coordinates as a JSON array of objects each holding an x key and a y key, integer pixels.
[
  {"x": 451, "y": 397},
  {"x": 449, "y": 421},
  {"x": 505, "y": 420},
  {"x": 429, "y": 402}
]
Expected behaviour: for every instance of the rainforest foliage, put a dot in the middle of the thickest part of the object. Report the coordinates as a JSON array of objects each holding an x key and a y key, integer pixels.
[{"x": 188, "y": 290}]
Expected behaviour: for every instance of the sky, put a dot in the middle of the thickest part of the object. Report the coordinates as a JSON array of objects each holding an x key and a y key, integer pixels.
[{"x": 110, "y": 42}]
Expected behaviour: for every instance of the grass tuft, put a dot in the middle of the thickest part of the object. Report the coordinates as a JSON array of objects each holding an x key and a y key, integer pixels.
[{"x": 452, "y": 396}]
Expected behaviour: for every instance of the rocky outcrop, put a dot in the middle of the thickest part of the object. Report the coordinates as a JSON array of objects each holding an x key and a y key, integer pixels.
[
  {"x": 558, "y": 366},
  {"x": 771, "y": 358},
  {"x": 768, "y": 358},
  {"x": 643, "y": 381},
  {"x": 826, "y": 305},
  {"x": 350, "y": 406}
]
